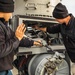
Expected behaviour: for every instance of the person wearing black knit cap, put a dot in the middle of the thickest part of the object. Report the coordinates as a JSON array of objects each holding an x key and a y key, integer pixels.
[
  {"x": 9, "y": 40},
  {"x": 65, "y": 26}
]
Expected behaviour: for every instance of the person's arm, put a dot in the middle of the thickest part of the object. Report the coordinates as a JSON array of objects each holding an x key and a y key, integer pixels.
[
  {"x": 9, "y": 41},
  {"x": 26, "y": 42},
  {"x": 7, "y": 46},
  {"x": 51, "y": 29}
]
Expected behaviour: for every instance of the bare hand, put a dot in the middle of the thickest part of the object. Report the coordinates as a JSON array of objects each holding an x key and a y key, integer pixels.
[
  {"x": 38, "y": 43},
  {"x": 40, "y": 28},
  {"x": 20, "y": 31}
]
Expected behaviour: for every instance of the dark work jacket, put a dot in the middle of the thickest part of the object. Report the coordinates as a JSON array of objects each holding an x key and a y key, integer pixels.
[
  {"x": 68, "y": 35},
  {"x": 8, "y": 45}
]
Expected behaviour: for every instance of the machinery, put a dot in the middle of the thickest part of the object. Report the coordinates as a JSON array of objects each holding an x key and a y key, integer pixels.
[{"x": 51, "y": 58}]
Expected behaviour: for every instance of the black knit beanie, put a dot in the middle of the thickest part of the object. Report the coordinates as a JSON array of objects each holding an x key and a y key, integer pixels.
[
  {"x": 60, "y": 11},
  {"x": 6, "y": 6}
]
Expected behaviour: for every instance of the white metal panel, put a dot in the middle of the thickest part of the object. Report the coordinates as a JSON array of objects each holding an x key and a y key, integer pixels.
[{"x": 39, "y": 8}]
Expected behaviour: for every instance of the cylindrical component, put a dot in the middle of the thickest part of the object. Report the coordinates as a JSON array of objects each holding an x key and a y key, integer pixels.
[{"x": 37, "y": 66}]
